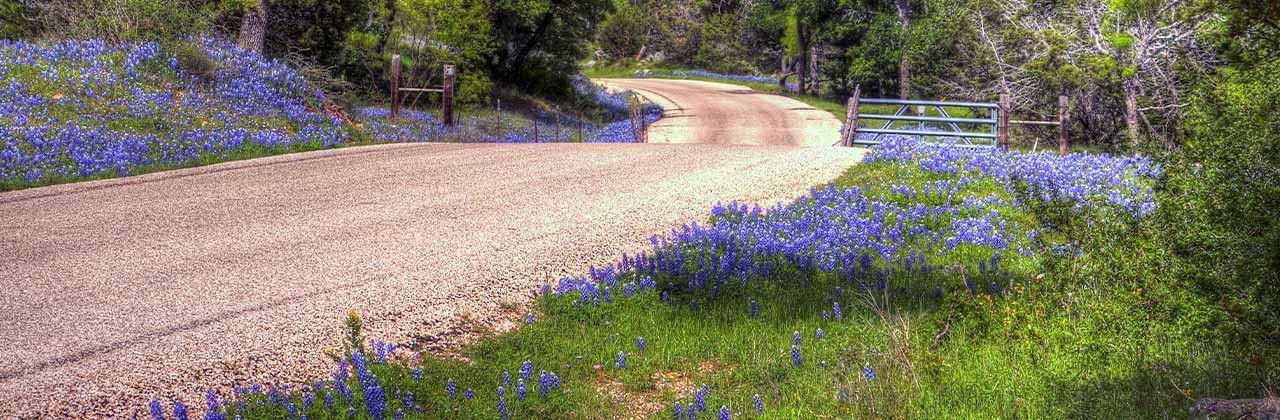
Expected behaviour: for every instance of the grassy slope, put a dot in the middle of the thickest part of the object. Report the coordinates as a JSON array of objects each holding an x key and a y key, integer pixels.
[{"x": 1029, "y": 351}]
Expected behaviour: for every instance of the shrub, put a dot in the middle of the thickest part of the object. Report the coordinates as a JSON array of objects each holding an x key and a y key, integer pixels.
[{"x": 1223, "y": 220}]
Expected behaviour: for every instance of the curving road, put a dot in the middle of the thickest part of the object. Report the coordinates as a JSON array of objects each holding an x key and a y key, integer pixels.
[
  {"x": 163, "y": 285},
  {"x": 719, "y": 113}
]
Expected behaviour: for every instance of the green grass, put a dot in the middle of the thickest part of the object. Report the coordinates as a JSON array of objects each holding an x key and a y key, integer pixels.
[{"x": 1047, "y": 346}]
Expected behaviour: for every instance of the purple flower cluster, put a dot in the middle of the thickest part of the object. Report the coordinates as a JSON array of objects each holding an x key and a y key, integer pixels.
[
  {"x": 83, "y": 108},
  {"x": 1081, "y": 179}
]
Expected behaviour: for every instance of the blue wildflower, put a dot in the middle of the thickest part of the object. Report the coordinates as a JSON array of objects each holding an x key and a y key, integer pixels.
[
  {"x": 819, "y": 334},
  {"x": 759, "y": 404},
  {"x": 640, "y": 343},
  {"x": 868, "y": 372},
  {"x": 622, "y": 361},
  {"x": 795, "y": 355},
  {"x": 724, "y": 413},
  {"x": 157, "y": 411}
]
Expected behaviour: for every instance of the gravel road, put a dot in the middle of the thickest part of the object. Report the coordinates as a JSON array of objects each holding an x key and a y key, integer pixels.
[
  {"x": 719, "y": 113},
  {"x": 163, "y": 285}
]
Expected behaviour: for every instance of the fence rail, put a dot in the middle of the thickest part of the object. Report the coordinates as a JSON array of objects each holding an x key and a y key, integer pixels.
[
  {"x": 445, "y": 90},
  {"x": 992, "y": 132}
]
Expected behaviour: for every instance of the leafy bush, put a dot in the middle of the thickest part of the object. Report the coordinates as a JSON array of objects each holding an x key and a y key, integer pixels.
[{"x": 1223, "y": 220}]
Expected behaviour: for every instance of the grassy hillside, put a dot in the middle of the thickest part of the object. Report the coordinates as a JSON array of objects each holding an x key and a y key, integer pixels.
[{"x": 87, "y": 109}]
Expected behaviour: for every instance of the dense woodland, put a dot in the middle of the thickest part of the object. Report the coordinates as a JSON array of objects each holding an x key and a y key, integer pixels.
[{"x": 1194, "y": 83}]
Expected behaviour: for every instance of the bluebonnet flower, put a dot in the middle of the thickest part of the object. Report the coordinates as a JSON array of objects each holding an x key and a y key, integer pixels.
[
  {"x": 622, "y": 361},
  {"x": 677, "y": 411},
  {"x": 825, "y": 315},
  {"x": 795, "y": 355},
  {"x": 328, "y": 401},
  {"x": 399, "y": 415},
  {"x": 691, "y": 413},
  {"x": 868, "y": 372},
  {"x": 526, "y": 369},
  {"x": 179, "y": 410},
  {"x": 417, "y": 374},
  {"x": 836, "y": 311},
  {"x": 452, "y": 389},
  {"x": 819, "y": 334},
  {"x": 307, "y": 401},
  {"x": 521, "y": 392},
  {"x": 544, "y": 384},
  {"x": 700, "y": 398},
  {"x": 759, "y": 404},
  {"x": 471, "y": 395},
  {"x": 528, "y": 318},
  {"x": 292, "y": 410},
  {"x": 839, "y": 292},
  {"x": 506, "y": 378},
  {"x": 640, "y": 343},
  {"x": 157, "y": 411},
  {"x": 724, "y": 413},
  {"x": 795, "y": 338},
  {"x": 502, "y": 404},
  {"x": 755, "y": 310}
]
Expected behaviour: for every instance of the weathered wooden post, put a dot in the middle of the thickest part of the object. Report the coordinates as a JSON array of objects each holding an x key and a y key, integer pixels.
[
  {"x": 395, "y": 86},
  {"x": 1002, "y": 124},
  {"x": 851, "y": 126},
  {"x": 557, "y": 136},
  {"x": 580, "y": 138},
  {"x": 535, "y": 131},
  {"x": 1063, "y": 117},
  {"x": 498, "y": 108},
  {"x": 446, "y": 97}
]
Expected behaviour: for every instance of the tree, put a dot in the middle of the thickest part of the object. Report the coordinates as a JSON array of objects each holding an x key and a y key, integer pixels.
[
  {"x": 253, "y": 26},
  {"x": 904, "y": 65},
  {"x": 541, "y": 41}
]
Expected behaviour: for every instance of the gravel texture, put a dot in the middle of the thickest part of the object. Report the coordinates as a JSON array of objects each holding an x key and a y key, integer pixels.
[
  {"x": 163, "y": 285},
  {"x": 719, "y": 113}
]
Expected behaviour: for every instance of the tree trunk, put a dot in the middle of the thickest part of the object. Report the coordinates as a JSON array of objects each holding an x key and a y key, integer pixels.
[
  {"x": 802, "y": 61},
  {"x": 813, "y": 68},
  {"x": 1131, "y": 114},
  {"x": 253, "y": 26},
  {"x": 904, "y": 67}
]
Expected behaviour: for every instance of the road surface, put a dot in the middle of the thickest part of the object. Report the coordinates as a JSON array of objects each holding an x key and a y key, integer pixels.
[
  {"x": 719, "y": 113},
  {"x": 164, "y": 285}
]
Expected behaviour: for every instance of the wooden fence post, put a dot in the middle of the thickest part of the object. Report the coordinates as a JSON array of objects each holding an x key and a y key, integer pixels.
[
  {"x": 498, "y": 107},
  {"x": 851, "y": 118},
  {"x": 446, "y": 97},
  {"x": 557, "y": 136},
  {"x": 1063, "y": 117},
  {"x": 395, "y": 86},
  {"x": 535, "y": 131},
  {"x": 1002, "y": 125}
]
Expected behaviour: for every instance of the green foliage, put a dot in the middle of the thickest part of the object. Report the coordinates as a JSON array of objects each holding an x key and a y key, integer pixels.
[
  {"x": 540, "y": 42},
  {"x": 193, "y": 59},
  {"x": 16, "y": 19},
  {"x": 1224, "y": 204}
]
